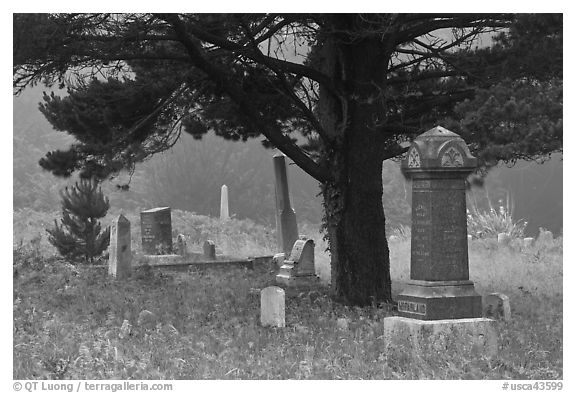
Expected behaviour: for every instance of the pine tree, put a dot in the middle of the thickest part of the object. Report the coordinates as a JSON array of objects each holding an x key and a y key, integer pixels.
[{"x": 80, "y": 235}]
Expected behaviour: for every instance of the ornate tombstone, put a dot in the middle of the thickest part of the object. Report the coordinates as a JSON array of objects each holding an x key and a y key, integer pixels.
[
  {"x": 438, "y": 163},
  {"x": 298, "y": 269}
]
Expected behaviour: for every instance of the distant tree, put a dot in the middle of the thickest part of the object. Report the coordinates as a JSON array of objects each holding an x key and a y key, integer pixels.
[
  {"x": 337, "y": 93},
  {"x": 80, "y": 234}
]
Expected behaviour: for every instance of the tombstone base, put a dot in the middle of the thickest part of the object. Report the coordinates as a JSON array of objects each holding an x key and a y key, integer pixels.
[
  {"x": 291, "y": 281},
  {"x": 436, "y": 300},
  {"x": 470, "y": 335}
]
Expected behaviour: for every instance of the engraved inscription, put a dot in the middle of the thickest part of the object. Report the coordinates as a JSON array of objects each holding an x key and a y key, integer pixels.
[
  {"x": 420, "y": 184},
  {"x": 421, "y": 233},
  {"x": 449, "y": 246},
  {"x": 452, "y": 158},
  {"x": 412, "y": 307}
]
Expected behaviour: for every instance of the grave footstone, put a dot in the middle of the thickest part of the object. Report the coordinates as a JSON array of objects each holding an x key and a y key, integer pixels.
[
  {"x": 156, "y": 227},
  {"x": 224, "y": 214},
  {"x": 209, "y": 249},
  {"x": 342, "y": 324},
  {"x": 120, "y": 249},
  {"x": 147, "y": 319},
  {"x": 181, "y": 245},
  {"x": 528, "y": 242},
  {"x": 497, "y": 305},
  {"x": 272, "y": 307},
  {"x": 503, "y": 239},
  {"x": 298, "y": 269},
  {"x": 545, "y": 238},
  {"x": 286, "y": 225},
  {"x": 438, "y": 162}
]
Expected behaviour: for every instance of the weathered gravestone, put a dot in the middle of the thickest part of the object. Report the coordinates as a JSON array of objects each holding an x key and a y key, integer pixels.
[
  {"x": 497, "y": 305},
  {"x": 298, "y": 269},
  {"x": 224, "y": 214},
  {"x": 181, "y": 248},
  {"x": 272, "y": 307},
  {"x": 120, "y": 249},
  {"x": 156, "y": 228},
  {"x": 438, "y": 163},
  {"x": 209, "y": 249},
  {"x": 503, "y": 239},
  {"x": 286, "y": 225},
  {"x": 528, "y": 242},
  {"x": 545, "y": 238}
]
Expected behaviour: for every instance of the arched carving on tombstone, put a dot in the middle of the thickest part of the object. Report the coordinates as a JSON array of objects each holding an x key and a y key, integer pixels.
[
  {"x": 414, "y": 157},
  {"x": 453, "y": 153}
]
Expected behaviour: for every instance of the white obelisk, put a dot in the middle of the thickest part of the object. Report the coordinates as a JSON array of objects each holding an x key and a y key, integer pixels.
[{"x": 224, "y": 203}]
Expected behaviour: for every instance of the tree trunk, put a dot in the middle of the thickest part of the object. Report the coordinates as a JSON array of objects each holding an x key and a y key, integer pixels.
[
  {"x": 353, "y": 212},
  {"x": 354, "y": 218}
]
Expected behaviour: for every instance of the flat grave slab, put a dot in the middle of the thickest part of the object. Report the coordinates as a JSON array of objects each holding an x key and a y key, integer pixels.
[
  {"x": 180, "y": 262},
  {"x": 198, "y": 260}
]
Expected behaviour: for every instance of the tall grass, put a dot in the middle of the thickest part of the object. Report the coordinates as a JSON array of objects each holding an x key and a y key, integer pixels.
[
  {"x": 74, "y": 322},
  {"x": 489, "y": 223}
]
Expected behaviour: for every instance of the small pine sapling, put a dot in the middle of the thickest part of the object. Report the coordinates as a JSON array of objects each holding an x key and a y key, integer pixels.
[{"x": 80, "y": 236}]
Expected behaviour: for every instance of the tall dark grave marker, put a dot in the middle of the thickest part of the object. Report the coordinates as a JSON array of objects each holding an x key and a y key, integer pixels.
[
  {"x": 438, "y": 163},
  {"x": 156, "y": 228},
  {"x": 286, "y": 225}
]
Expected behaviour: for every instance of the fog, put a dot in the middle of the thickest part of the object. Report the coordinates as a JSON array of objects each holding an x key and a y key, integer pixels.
[{"x": 189, "y": 177}]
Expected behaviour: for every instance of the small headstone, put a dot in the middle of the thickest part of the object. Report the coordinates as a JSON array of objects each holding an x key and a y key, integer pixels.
[
  {"x": 146, "y": 319},
  {"x": 545, "y": 237},
  {"x": 209, "y": 250},
  {"x": 272, "y": 307},
  {"x": 120, "y": 249},
  {"x": 342, "y": 324},
  {"x": 125, "y": 329},
  {"x": 224, "y": 214},
  {"x": 503, "y": 239},
  {"x": 497, "y": 305},
  {"x": 469, "y": 237},
  {"x": 528, "y": 242},
  {"x": 181, "y": 245},
  {"x": 299, "y": 268},
  {"x": 156, "y": 228}
]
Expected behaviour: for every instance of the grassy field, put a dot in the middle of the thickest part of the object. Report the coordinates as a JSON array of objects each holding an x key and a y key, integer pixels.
[{"x": 69, "y": 321}]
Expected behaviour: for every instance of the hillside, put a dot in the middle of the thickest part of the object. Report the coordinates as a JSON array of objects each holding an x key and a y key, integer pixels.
[{"x": 189, "y": 177}]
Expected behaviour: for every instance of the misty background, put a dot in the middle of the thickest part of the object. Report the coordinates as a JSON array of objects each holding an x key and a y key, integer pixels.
[{"x": 189, "y": 176}]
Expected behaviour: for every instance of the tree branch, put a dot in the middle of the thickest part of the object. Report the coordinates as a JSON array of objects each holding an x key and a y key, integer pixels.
[{"x": 272, "y": 132}]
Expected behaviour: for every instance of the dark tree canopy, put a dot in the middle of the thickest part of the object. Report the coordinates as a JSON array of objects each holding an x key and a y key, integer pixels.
[
  {"x": 337, "y": 93},
  {"x": 133, "y": 78}
]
